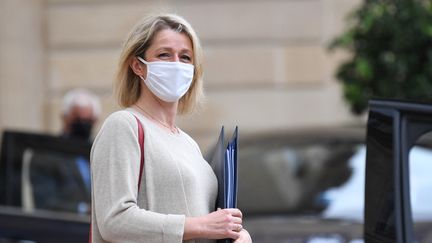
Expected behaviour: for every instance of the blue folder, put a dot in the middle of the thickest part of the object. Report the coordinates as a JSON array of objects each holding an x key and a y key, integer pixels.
[{"x": 224, "y": 164}]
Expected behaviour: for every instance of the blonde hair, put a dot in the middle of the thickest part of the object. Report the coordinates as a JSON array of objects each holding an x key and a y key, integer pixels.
[{"x": 128, "y": 84}]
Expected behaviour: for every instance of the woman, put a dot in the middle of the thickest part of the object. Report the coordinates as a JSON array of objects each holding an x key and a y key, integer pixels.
[{"x": 159, "y": 75}]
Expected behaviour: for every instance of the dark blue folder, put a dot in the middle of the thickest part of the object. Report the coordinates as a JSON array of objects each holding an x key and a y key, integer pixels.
[{"x": 224, "y": 164}]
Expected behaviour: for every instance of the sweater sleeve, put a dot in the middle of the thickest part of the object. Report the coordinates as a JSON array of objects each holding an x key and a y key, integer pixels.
[{"x": 115, "y": 165}]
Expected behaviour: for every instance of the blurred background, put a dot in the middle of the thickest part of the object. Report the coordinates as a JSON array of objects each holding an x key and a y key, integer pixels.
[
  {"x": 271, "y": 67},
  {"x": 267, "y": 66}
]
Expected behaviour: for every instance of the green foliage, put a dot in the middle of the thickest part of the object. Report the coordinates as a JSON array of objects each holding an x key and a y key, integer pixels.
[{"x": 391, "y": 46}]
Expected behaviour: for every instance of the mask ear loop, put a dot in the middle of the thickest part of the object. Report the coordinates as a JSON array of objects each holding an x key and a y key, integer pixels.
[{"x": 144, "y": 62}]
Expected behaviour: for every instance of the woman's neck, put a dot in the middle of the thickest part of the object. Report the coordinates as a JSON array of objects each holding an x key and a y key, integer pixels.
[{"x": 163, "y": 112}]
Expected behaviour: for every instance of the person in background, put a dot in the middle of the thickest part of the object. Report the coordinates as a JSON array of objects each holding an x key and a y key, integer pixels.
[
  {"x": 59, "y": 181},
  {"x": 81, "y": 110},
  {"x": 164, "y": 190}
]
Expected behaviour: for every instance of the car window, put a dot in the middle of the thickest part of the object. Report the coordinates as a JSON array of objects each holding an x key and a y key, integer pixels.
[
  {"x": 291, "y": 178},
  {"x": 312, "y": 179},
  {"x": 420, "y": 168},
  {"x": 347, "y": 200}
]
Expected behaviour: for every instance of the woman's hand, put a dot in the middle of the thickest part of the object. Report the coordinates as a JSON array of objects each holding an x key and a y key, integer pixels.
[
  {"x": 244, "y": 237},
  {"x": 220, "y": 224}
]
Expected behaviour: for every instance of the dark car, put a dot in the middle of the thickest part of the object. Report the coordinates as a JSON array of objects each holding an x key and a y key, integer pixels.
[
  {"x": 337, "y": 186},
  {"x": 43, "y": 194},
  {"x": 309, "y": 186},
  {"x": 283, "y": 180}
]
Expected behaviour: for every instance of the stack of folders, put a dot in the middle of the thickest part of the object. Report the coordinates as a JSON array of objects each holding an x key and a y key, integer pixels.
[{"x": 224, "y": 164}]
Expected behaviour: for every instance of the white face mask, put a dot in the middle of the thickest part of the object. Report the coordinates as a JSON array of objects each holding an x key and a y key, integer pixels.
[{"x": 169, "y": 81}]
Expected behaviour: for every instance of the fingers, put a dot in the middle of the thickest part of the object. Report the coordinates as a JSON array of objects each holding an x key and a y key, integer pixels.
[
  {"x": 234, "y": 212},
  {"x": 223, "y": 223},
  {"x": 237, "y": 227},
  {"x": 237, "y": 220},
  {"x": 235, "y": 217},
  {"x": 231, "y": 215}
]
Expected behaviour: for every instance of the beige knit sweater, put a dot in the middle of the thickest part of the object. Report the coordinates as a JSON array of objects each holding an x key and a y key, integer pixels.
[{"x": 176, "y": 182}]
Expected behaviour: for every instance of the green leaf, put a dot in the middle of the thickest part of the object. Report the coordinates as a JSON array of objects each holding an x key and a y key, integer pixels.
[{"x": 363, "y": 68}]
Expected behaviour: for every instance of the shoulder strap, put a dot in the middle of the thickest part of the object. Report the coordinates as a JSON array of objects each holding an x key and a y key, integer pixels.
[{"x": 141, "y": 143}]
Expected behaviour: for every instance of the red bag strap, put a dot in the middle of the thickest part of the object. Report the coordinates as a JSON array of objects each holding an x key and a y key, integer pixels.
[{"x": 141, "y": 144}]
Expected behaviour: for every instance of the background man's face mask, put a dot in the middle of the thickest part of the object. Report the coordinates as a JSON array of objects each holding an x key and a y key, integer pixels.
[
  {"x": 169, "y": 81},
  {"x": 81, "y": 128}
]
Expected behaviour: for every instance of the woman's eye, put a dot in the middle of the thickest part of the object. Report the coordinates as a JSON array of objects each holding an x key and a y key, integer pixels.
[
  {"x": 163, "y": 55},
  {"x": 187, "y": 58}
]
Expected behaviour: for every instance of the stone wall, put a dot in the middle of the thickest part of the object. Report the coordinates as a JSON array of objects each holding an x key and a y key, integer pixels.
[{"x": 267, "y": 67}]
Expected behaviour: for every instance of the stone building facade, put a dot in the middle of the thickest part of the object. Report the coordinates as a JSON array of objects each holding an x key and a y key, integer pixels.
[{"x": 266, "y": 61}]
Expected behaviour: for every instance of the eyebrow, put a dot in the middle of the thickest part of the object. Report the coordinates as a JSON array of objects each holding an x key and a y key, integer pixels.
[{"x": 170, "y": 49}]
